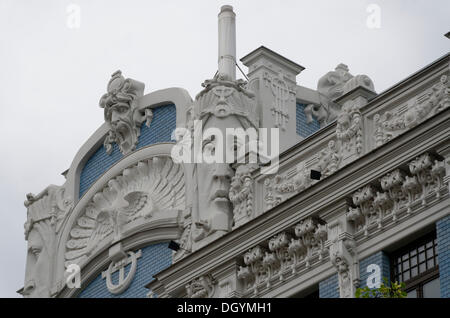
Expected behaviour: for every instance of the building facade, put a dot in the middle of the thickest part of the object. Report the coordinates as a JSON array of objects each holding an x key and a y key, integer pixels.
[{"x": 345, "y": 187}]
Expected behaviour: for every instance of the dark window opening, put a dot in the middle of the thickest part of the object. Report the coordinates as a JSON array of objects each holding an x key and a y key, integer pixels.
[
  {"x": 312, "y": 292},
  {"x": 417, "y": 266}
]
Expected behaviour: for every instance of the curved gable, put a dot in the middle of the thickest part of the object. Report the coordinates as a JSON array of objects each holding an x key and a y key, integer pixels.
[{"x": 160, "y": 130}]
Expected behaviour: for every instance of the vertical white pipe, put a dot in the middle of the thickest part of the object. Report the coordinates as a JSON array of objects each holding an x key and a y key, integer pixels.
[{"x": 227, "y": 43}]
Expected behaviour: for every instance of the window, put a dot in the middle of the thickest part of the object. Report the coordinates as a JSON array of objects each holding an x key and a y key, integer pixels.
[{"x": 417, "y": 266}]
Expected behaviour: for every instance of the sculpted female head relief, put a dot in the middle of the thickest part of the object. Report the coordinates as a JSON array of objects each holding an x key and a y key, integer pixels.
[{"x": 45, "y": 213}]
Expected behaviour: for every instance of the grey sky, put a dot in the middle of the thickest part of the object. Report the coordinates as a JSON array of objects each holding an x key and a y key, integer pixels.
[{"x": 52, "y": 76}]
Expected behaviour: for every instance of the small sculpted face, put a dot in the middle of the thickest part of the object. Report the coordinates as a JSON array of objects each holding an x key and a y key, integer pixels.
[
  {"x": 121, "y": 122},
  {"x": 215, "y": 180},
  {"x": 37, "y": 276},
  {"x": 344, "y": 119},
  {"x": 341, "y": 264}
]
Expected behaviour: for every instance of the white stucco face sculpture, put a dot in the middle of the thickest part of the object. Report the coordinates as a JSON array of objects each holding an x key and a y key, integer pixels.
[
  {"x": 121, "y": 112},
  {"x": 214, "y": 185},
  {"x": 214, "y": 206},
  {"x": 39, "y": 257},
  {"x": 220, "y": 106}
]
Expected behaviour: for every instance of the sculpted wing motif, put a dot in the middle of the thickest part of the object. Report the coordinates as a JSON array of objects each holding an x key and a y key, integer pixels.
[
  {"x": 135, "y": 202},
  {"x": 103, "y": 226},
  {"x": 140, "y": 192}
]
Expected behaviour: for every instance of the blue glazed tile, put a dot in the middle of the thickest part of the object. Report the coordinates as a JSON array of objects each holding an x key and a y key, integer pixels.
[
  {"x": 154, "y": 259},
  {"x": 160, "y": 130}
]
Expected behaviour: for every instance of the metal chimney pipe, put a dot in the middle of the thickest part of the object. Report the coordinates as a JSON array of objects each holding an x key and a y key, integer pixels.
[{"x": 227, "y": 43}]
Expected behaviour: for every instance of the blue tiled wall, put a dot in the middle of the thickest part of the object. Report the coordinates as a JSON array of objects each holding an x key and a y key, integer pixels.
[
  {"x": 163, "y": 124},
  {"x": 380, "y": 259},
  {"x": 303, "y": 128},
  {"x": 443, "y": 246},
  {"x": 329, "y": 288},
  {"x": 97, "y": 164},
  {"x": 154, "y": 259},
  {"x": 160, "y": 130}
]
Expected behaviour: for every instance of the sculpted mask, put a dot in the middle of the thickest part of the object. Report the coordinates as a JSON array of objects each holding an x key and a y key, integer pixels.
[
  {"x": 222, "y": 104},
  {"x": 122, "y": 113}
]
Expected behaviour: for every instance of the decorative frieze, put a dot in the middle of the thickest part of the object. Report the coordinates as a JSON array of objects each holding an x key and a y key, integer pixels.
[
  {"x": 286, "y": 255},
  {"x": 329, "y": 159},
  {"x": 282, "y": 186},
  {"x": 402, "y": 193},
  {"x": 392, "y": 123},
  {"x": 346, "y": 145}
]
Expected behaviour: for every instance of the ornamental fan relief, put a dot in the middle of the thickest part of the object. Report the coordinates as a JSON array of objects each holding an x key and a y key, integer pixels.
[{"x": 150, "y": 187}]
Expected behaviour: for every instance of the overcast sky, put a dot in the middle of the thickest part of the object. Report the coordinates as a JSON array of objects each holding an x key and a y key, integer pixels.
[{"x": 54, "y": 70}]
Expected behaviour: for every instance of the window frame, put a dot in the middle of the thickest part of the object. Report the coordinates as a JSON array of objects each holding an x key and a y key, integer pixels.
[{"x": 418, "y": 281}]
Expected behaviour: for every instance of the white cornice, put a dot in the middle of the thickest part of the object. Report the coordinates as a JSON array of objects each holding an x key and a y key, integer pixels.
[{"x": 313, "y": 200}]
